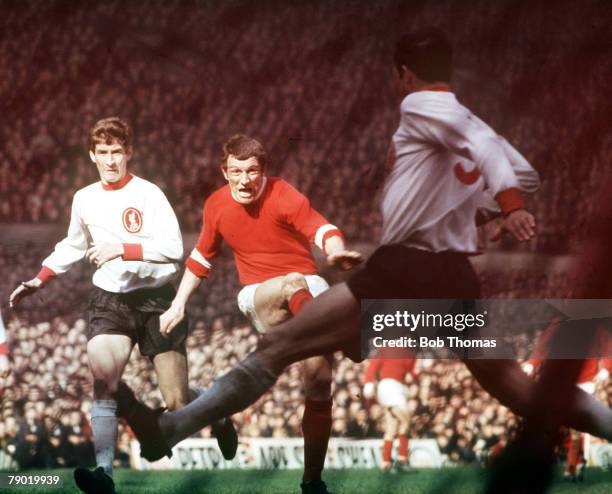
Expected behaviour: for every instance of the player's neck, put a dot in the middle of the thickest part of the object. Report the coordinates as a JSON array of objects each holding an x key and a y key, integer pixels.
[{"x": 433, "y": 86}]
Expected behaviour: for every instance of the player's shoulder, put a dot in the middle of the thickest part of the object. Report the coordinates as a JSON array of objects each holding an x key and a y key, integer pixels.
[
  {"x": 279, "y": 187},
  {"x": 433, "y": 101}
]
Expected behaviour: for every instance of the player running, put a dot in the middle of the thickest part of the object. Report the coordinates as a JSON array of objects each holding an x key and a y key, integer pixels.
[
  {"x": 390, "y": 367},
  {"x": 269, "y": 225},
  {"x": 127, "y": 228},
  {"x": 444, "y": 159}
]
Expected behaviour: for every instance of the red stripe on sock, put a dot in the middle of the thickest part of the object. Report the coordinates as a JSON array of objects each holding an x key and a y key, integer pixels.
[
  {"x": 403, "y": 446},
  {"x": 298, "y": 299}
]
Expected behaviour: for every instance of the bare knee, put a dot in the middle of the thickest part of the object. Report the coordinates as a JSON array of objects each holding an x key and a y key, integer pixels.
[
  {"x": 293, "y": 282},
  {"x": 175, "y": 401},
  {"x": 317, "y": 379},
  {"x": 103, "y": 389}
]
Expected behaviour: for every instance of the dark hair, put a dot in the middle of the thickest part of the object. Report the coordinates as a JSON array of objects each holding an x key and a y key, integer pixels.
[
  {"x": 108, "y": 130},
  {"x": 427, "y": 53},
  {"x": 244, "y": 147}
]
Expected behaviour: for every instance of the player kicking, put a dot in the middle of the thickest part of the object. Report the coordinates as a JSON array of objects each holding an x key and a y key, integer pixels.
[
  {"x": 443, "y": 157},
  {"x": 127, "y": 228},
  {"x": 390, "y": 367},
  {"x": 269, "y": 225}
]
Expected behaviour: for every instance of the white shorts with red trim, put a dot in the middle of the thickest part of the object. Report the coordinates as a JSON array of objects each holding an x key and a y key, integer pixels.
[
  {"x": 391, "y": 393},
  {"x": 246, "y": 298}
]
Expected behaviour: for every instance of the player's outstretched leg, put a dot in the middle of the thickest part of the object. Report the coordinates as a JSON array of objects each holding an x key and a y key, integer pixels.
[
  {"x": 505, "y": 380},
  {"x": 157, "y": 432},
  {"x": 249, "y": 380},
  {"x": 223, "y": 430}
]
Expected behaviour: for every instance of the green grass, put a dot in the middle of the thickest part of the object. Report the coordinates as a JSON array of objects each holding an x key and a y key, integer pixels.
[{"x": 429, "y": 481}]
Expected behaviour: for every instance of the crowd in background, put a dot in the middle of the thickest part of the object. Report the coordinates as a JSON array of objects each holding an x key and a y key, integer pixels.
[{"x": 313, "y": 82}]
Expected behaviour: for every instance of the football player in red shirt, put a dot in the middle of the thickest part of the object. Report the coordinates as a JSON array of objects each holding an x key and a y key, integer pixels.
[
  {"x": 270, "y": 225},
  {"x": 390, "y": 367}
]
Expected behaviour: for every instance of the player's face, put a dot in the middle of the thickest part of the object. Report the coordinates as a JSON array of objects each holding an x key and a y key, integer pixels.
[
  {"x": 111, "y": 160},
  {"x": 245, "y": 178}
]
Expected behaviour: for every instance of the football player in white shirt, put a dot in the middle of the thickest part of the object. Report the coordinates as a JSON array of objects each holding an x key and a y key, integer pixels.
[
  {"x": 445, "y": 164},
  {"x": 127, "y": 228}
]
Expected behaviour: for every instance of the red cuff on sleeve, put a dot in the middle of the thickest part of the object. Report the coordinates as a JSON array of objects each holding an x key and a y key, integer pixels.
[
  {"x": 3, "y": 349},
  {"x": 45, "y": 275},
  {"x": 510, "y": 200},
  {"x": 332, "y": 233},
  {"x": 132, "y": 252},
  {"x": 196, "y": 268}
]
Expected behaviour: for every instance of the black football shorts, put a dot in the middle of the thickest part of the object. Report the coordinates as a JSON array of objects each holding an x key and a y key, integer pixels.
[
  {"x": 399, "y": 272},
  {"x": 136, "y": 315}
]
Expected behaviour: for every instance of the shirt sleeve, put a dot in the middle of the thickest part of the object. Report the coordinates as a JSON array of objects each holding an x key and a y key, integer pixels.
[
  {"x": 3, "y": 344},
  {"x": 68, "y": 251},
  {"x": 164, "y": 243},
  {"x": 455, "y": 128},
  {"x": 372, "y": 370},
  {"x": 296, "y": 211},
  {"x": 208, "y": 244}
]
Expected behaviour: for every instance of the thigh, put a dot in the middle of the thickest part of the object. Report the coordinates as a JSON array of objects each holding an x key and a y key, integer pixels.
[
  {"x": 317, "y": 375},
  {"x": 108, "y": 354},
  {"x": 331, "y": 323},
  {"x": 269, "y": 303},
  {"x": 171, "y": 370},
  {"x": 150, "y": 340}
]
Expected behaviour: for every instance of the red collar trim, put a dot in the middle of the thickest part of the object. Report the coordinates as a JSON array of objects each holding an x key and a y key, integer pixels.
[
  {"x": 118, "y": 185},
  {"x": 441, "y": 89}
]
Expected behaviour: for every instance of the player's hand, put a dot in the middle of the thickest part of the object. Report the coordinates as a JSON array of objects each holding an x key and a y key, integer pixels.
[
  {"x": 368, "y": 391},
  {"x": 25, "y": 289},
  {"x": 101, "y": 252},
  {"x": 5, "y": 367},
  {"x": 520, "y": 224},
  {"x": 171, "y": 319},
  {"x": 527, "y": 368},
  {"x": 345, "y": 259}
]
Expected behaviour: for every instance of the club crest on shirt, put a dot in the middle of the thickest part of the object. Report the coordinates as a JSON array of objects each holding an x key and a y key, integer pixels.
[
  {"x": 465, "y": 177},
  {"x": 132, "y": 220}
]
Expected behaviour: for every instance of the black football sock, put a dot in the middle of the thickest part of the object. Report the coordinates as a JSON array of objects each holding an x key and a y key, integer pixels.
[{"x": 229, "y": 394}]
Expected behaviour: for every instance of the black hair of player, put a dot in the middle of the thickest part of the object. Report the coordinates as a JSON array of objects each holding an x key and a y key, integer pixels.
[{"x": 427, "y": 53}]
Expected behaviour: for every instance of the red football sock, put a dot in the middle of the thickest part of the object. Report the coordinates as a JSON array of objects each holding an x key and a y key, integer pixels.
[
  {"x": 572, "y": 456},
  {"x": 403, "y": 447},
  {"x": 316, "y": 427},
  {"x": 298, "y": 299},
  {"x": 387, "y": 447}
]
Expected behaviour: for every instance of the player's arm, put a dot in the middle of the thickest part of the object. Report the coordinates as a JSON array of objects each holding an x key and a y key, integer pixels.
[
  {"x": 297, "y": 211},
  {"x": 163, "y": 243},
  {"x": 5, "y": 365},
  {"x": 66, "y": 253},
  {"x": 197, "y": 266},
  {"x": 369, "y": 377},
  {"x": 456, "y": 129}
]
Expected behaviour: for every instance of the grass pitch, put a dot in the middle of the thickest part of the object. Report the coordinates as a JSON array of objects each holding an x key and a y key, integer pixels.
[{"x": 425, "y": 481}]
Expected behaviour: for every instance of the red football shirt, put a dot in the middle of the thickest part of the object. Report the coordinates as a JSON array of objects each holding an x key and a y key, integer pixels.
[{"x": 270, "y": 237}]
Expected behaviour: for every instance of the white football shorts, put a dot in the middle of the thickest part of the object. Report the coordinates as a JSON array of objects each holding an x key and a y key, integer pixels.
[
  {"x": 246, "y": 298},
  {"x": 391, "y": 393}
]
